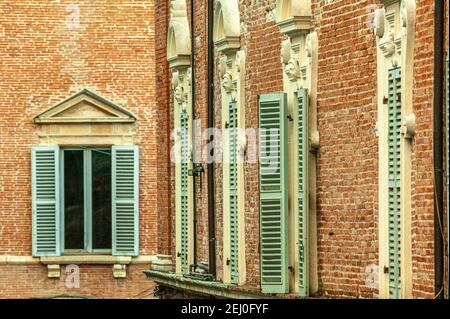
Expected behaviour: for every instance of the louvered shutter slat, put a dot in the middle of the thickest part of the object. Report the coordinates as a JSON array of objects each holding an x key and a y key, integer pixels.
[
  {"x": 184, "y": 126},
  {"x": 45, "y": 201},
  {"x": 273, "y": 193},
  {"x": 233, "y": 193},
  {"x": 394, "y": 109},
  {"x": 125, "y": 200},
  {"x": 303, "y": 187}
]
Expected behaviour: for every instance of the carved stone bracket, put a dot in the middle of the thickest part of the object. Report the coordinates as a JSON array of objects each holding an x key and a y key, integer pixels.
[{"x": 408, "y": 128}]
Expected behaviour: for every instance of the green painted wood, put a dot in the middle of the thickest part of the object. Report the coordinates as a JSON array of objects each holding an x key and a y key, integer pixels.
[
  {"x": 184, "y": 126},
  {"x": 394, "y": 107},
  {"x": 303, "y": 191},
  {"x": 125, "y": 200},
  {"x": 447, "y": 134},
  {"x": 233, "y": 125},
  {"x": 273, "y": 166},
  {"x": 46, "y": 239}
]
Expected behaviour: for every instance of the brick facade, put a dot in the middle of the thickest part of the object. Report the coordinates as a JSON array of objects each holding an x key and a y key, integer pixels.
[
  {"x": 347, "y": 180},
  {"x": 46, "y": 56},
  {"x": 119, "y": 51}
]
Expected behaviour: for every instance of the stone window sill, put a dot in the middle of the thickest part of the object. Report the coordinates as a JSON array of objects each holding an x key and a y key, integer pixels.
[
  {"x": 119, "y": 263},
  {"x": 86, "y": 260}
]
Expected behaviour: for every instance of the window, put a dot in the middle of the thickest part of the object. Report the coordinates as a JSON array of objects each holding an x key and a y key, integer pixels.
[{"x": 87, "y": 199}]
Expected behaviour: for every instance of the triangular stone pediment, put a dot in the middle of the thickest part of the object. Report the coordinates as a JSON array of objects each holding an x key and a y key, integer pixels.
[{"x": 85, "y": 107}]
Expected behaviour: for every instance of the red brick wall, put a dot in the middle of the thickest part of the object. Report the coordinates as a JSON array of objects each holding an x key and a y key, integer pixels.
[
  {"x": 165, "y": 124},
  {"x": 422, "y": 178},
  {"x": 348, "y": 155},
  {"x": 95, "y": 282},
  {"x": 264, "y": 74},
  {"x": 44, "y": 61}
]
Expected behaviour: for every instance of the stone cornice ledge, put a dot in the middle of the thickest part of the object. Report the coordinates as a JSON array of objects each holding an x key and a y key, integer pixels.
[
  {"x": 295, "y": 26},
  {"x": 180, "y": 61},
  {"x": 18, "y": 260},
  {"x": 211, "y": 288},
  {"x": 228, "y": 44}
]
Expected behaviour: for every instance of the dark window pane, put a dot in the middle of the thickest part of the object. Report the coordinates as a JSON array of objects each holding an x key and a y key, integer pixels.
[
  {"x": 73, "y": 200},
  {"x": 101, "y": 199}
]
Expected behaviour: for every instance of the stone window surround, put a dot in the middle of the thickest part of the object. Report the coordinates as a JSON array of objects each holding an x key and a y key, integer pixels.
[
  {"x": 394, "y": 27},
  {"x": 232, "y": 76},
  {"x": 85, "y": 119},
  {"x": 299, "y": 56},
  {"x": 179, "y": 57}
]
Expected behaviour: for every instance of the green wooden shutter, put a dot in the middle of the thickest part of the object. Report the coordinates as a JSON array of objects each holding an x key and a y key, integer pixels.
[
  {"x": 394, "y": 106},
  {"x": 125, "y": 200},
  {"x": 303, "y": 191},
  {"x": 184, "y": 125},
  {"x": 233, "y": 192},
  {"x": 273, "y": 193},
  {"x": 447, "y": 134},
  {"x": 45, "y": 201}
]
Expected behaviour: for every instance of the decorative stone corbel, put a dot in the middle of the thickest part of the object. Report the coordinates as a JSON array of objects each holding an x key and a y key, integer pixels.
[
  {"x": 179, "y": 94},
  {"x": 388, "y": 45},
  {"x": 54, "y": 271},
  {"x": 314, "y": 141},
  {"x": 227, "y": 82},
  {"x": 408, "y": 128},
  {"x": 119, "y": 271},
  {"x": 292, "y": 69},
  {"x": 242, "y": 144}
]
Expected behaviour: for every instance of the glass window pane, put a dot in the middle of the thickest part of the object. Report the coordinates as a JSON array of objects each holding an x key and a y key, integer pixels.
[
  {"x": 101, "y": 199},
  {"x": 73, "y": 200}
]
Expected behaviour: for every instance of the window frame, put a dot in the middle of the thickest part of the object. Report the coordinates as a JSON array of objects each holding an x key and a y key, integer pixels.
[{"x": 87, "y": 173}]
